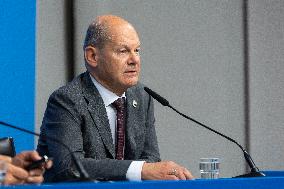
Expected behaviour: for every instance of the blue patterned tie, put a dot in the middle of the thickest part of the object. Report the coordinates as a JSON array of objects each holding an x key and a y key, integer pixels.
[{"x": 119, "y": 105}]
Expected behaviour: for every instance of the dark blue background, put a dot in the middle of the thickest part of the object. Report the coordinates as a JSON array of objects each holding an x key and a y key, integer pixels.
[{"x": 17, "y": 69}]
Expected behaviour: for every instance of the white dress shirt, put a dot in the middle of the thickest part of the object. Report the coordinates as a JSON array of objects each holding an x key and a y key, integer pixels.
[{"x": 135, "y": 168}]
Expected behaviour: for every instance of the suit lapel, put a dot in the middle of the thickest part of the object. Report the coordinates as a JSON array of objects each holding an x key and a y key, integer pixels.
[
  {"x": 133, "y": 128},
  {"x": 97, "y": 111}
]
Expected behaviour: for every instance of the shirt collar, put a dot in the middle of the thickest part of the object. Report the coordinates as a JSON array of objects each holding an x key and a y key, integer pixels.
[{"x": 107, "y": 96}]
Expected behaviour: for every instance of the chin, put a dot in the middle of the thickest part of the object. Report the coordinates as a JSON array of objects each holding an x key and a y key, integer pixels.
[{"x": 131, "y": 83}]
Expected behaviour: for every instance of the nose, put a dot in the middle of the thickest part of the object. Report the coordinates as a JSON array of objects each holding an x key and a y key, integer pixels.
[{"x": 134, "y": 58}]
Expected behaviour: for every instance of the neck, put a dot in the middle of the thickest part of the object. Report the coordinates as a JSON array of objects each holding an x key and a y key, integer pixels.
[{"x": 116, "y": 90}]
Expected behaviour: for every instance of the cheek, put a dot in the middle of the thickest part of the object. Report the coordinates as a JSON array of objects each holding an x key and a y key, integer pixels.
[
  {"x": 119, "y": 65},
  {"x": 115, "y": 69},
  {"x": 138, "y": 68}
]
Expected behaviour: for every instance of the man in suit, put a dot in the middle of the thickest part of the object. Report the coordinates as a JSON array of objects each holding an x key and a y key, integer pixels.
[
  {"x": 104, "y": 115},
  {"x": 16, "y": 172}
]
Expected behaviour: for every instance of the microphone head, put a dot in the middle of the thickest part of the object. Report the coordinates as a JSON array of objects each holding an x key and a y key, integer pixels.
[{"x": 160, "y": 99}]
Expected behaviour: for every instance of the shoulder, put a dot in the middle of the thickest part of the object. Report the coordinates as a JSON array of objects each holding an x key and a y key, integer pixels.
[
  {"x": 72, "y": 91},
  {"x": 67, "y": 101}
]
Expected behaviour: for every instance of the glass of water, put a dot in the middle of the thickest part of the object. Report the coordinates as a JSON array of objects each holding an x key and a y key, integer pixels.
[
  {"x": 3, "y": 170},
  {"x": 209, "y": 168}
]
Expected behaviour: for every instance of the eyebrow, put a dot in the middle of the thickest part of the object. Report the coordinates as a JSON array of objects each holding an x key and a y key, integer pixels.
[{"x": 126, "y": 46}]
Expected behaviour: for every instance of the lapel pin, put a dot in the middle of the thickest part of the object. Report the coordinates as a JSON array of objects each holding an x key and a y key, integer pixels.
[{"x": 134, "y": 103}]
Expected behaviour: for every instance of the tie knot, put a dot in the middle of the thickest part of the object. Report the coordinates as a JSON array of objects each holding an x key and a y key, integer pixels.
[{"x": 119, "y": 104}]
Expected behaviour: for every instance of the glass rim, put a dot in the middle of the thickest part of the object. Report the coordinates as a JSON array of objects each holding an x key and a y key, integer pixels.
[{"x": 209, "y": 159}]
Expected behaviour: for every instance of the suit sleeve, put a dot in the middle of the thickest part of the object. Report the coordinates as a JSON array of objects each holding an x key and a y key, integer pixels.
[{"x": 63, "y": 122}]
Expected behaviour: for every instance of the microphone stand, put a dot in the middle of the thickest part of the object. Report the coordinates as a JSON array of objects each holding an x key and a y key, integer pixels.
[
  {"x": 254, "y": 172},
  {"x": 84, "y": 176}
]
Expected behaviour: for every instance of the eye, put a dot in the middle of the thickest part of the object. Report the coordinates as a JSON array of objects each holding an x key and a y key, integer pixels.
[
  {"x": 137, "y": 51},
  {"x": 122, "y": 51}
]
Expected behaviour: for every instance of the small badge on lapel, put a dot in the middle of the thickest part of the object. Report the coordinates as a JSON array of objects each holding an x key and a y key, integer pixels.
[{"x": 134, "y": 103}]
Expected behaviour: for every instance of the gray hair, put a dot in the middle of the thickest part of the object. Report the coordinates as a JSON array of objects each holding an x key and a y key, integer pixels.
[{"x": 96, "y": 35}]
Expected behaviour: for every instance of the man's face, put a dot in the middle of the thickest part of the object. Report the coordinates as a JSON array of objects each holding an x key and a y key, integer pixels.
[{"x": 118, "y": 62}]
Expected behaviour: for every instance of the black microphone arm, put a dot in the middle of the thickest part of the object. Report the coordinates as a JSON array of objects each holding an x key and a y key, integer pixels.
[
  {"x": 254, "y": 170},
  {"x": 84, "y": 176}
]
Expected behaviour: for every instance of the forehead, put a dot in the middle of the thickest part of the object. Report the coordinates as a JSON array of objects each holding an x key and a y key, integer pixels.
[{"x": 123, "y": 35}]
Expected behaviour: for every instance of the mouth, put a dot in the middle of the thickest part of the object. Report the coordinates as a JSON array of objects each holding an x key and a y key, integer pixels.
[{"x": 131, "y": 73}]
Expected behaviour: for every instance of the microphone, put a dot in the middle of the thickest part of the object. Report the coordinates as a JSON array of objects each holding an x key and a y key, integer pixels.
[
  {"x": 254, "y": 170},
  {"x": 84, "y": 176}
]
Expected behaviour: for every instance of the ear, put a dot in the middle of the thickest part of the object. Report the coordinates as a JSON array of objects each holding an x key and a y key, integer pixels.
[{"x": 91, "y": 56}]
